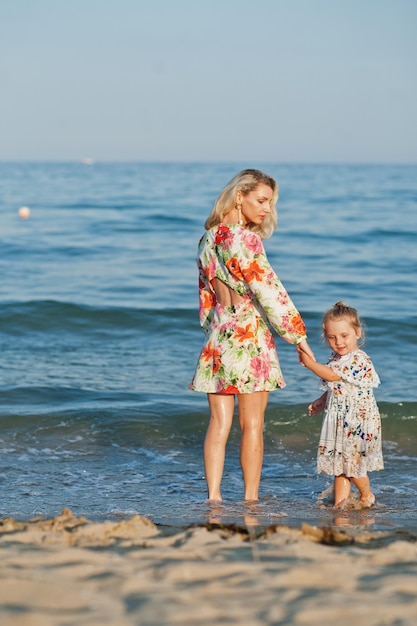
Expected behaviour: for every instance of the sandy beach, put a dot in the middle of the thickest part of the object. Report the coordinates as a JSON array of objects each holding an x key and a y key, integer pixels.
[
  {"x": 70, "y": 571},
  {"x": 99, "y": 344}
]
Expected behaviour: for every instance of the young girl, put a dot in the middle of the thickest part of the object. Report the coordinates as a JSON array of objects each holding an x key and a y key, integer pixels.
[{"x": 350, "y": 440}]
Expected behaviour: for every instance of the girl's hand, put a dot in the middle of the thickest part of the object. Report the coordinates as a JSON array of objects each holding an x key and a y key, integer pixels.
[
  {"x": 316, "y": 407},
  {"x": 303, "y": 358}
]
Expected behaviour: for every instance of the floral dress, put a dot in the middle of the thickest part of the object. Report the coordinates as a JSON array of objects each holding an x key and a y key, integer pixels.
[
  {"x": 350, "y": 440},
  {"x": 239, "y": 354}
]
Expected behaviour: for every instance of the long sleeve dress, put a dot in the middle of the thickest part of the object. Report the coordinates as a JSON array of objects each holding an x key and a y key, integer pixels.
[
  {"x": 350, "y": 440},
  {"x": 239, "y": 353}
]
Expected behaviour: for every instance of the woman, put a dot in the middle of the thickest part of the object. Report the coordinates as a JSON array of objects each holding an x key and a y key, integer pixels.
[{"x": 239, "y": 294}]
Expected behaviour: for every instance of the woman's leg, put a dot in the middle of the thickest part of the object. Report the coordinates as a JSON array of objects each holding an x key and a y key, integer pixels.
[
  {"x": 341, "y": 489},
  {"x": 221, "y": 418},
  {"x": 251, "y": 419}
]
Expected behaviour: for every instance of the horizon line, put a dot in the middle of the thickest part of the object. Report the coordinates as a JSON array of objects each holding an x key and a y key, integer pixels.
[{"x": 91, "y": 161}]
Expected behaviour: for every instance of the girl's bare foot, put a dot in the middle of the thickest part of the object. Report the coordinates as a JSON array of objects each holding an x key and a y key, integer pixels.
[{"x": 368, "y": 501}]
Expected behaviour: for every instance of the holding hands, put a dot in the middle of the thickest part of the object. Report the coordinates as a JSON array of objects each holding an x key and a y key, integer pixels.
[
  {"x": 304, "y": 352},
  {"x": 307, "y": 359}
]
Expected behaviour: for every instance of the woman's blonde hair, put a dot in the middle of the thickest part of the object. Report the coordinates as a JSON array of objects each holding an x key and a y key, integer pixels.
[
  {"x": 342, "y": 311},
  {"x": 245, "y": 182}
]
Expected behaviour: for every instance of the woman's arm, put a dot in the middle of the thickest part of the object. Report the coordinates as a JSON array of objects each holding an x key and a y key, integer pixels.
[
  {"x": 207, "y": 300},
  {"x": 255, "y": 269}
]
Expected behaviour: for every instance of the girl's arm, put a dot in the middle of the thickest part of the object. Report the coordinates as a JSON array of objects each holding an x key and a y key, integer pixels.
[{"x": 322, "y": 371}]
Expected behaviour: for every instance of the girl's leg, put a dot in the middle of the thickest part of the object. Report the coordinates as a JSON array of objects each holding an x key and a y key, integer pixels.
[
  {"x": 251, "y": 419},
  {"x": 364, "y": 486},
  {"x": 341, "y": 489},
  {"x": 221, "y": 418}
]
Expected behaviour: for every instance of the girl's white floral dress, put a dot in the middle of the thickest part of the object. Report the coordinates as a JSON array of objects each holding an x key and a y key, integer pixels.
[
  {"x": 350, "y": 440},
  {"x": 239, "y": 354}
]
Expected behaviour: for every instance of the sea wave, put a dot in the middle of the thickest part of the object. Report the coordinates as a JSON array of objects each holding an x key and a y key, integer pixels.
[
  {"x": 33, "y": 409},
  {"x": 52, "y": 315},
  {"x": 50, "y": 344}
]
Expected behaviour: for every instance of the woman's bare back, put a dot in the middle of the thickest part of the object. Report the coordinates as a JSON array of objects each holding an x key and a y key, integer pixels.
[{"x": 224, "y": 294}]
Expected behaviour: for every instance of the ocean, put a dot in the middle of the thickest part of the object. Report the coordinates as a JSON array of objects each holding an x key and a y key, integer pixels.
[{"x": 99, "y": 337}]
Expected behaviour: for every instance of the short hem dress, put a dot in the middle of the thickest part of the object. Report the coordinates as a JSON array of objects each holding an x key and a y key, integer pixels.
[{"x": 239, "y": 354}]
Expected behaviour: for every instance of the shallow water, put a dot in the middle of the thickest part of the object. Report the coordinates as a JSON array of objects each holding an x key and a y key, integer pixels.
[{"x": 99, "y": 336}]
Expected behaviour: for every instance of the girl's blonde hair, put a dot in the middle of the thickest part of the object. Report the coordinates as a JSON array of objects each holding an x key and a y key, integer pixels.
[
  {"x": 245, "y": 182},
  {"x": 342, "y": 311}
]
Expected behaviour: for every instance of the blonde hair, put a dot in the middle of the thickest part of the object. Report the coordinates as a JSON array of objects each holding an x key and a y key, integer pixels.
[
  {"x": 245, "y": 182},
  {"x": 342, "y": 311}
]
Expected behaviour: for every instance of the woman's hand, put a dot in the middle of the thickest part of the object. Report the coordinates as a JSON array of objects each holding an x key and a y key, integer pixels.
[{"x": 304, "y": 349}]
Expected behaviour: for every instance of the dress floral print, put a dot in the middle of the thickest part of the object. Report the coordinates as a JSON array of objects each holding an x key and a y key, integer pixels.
[
  {"x": 239, "y": 354},
  {"x": 350, "y": 441}
]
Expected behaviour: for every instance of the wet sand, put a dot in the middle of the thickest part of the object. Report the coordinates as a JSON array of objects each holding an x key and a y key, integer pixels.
[{"x": 70, "y": 571}]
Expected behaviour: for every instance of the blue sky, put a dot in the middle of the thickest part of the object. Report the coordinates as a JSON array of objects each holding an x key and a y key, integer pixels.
[{"x": 228, "y": 80}]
